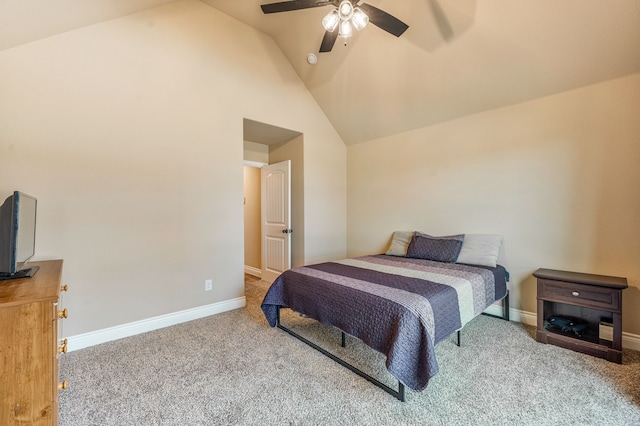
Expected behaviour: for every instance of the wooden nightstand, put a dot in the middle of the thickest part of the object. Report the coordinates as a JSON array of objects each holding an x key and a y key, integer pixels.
[{"x": 585, "y": 297}]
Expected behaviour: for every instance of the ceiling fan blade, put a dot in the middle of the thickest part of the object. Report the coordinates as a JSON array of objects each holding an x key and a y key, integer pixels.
[
  {"x": 286, "y": 6},
  {"x": 328, "y": 41},
  {"x": 383, "y": 20}
]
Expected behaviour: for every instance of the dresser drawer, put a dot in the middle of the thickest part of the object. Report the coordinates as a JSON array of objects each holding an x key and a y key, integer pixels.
[{"x": 605, "y": 298}]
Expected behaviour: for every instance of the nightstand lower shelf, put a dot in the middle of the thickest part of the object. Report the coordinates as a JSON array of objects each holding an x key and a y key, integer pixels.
[{"x": 599, "y": 348}]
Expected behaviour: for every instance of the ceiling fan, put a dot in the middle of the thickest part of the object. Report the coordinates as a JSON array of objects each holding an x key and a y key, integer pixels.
[{"x": 346, "y": 15}]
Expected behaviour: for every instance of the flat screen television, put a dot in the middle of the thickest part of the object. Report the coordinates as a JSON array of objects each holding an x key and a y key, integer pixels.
[{"x": 17, "y": 236}]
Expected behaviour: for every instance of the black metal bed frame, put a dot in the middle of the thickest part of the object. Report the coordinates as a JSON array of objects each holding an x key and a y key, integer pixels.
[{"x": 400, "y": 393}]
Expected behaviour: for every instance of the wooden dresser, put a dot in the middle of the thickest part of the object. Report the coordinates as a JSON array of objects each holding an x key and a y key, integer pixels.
[{"x": 29, "y": 347}]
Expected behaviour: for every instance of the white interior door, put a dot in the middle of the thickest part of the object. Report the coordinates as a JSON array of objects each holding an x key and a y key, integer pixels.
[{"x": 276, "y": 219}]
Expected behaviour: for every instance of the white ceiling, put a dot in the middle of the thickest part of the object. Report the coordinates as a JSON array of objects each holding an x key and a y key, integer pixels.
[
  {"x": 458, "y": 57},
  {"x": 23, "y": 21}
]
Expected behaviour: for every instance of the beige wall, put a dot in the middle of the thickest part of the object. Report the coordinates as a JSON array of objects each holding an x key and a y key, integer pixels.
[
  {"x": 130, "y": 133},
  {"x": 559, "y": 177},
  {"x": 252, "y": 209}
]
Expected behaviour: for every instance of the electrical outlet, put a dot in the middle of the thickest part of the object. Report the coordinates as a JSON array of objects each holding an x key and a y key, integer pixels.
[{"x": 208, "y": 285}]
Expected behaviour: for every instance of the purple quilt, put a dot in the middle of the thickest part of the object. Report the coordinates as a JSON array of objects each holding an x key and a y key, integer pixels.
[{"x": 398, "y": 306}]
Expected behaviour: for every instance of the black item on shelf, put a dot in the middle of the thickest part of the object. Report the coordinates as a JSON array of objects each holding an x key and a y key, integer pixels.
[{"x": 568, "y": 325}]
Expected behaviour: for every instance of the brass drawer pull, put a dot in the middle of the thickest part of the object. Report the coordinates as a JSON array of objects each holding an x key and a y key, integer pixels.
[
  {"x": 575, "y": 293},
  {"x": 63, "y": 313},
  {"x": 64, "y": 287},
  {"x": 63, "y": 385},
  {"x": 62, "y": 349}
]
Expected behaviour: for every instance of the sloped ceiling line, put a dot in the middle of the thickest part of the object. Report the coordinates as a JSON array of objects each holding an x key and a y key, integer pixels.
[{"x": 457, "y": 57}]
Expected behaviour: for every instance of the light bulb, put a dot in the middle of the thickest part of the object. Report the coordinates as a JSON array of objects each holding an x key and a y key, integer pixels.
[
  {"x": 346, "y": 10},
  {"x": 359, "y": 19},
  {"x": 330, "y": 22},
  {"x": 346, "y": 30}
]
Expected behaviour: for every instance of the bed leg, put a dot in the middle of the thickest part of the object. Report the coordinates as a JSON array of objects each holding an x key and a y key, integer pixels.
[
  {"x": 400, "y": 392},
  {"x": 278, "y": 316},
  {"x": 458, "y": 339},
  {"x": 344, "y": 340},
  {"x": 505, "y": 307}
]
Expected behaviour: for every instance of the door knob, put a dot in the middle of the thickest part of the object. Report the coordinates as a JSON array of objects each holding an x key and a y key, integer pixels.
[{"x": 287, "y": 231}]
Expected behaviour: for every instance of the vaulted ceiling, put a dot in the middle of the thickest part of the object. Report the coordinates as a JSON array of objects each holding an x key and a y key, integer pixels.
[{"x": 458, "y": 57}]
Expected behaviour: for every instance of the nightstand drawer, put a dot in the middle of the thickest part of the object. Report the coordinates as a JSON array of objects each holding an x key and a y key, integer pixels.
[{"x": 580, "y": 294}]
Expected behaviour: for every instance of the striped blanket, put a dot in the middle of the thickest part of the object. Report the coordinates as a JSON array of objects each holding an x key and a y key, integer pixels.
[{"x": 398, "y": 306}]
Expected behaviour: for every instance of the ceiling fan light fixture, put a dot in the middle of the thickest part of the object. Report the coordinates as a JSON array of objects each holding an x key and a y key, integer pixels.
[
  {"x": 346, "y": 30},
  {"x": 330, "y": 22},
  {"x": 344, "y": 15},
  {"x": 359, "y": 19}
]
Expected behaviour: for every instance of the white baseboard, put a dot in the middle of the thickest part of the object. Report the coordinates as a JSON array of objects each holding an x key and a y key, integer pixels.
[
  {"x": 253, "y": 271},
  {"x": 629, "y": 340},
  {"x": 85, "y": 340},
  {"x": 125, "y": 330},
  {"x": 514, "y": 315}
]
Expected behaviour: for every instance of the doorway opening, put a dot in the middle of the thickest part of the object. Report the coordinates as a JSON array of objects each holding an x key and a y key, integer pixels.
[{"x": 266, "y": 144}]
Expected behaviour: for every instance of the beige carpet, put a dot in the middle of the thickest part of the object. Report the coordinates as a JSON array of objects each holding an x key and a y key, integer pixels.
[{"x": 232, "y": 369}]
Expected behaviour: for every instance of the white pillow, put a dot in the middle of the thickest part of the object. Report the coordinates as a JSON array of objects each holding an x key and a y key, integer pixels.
[
  {"x": 399, "y": 243},
  {"x": 480, "y": 249}
]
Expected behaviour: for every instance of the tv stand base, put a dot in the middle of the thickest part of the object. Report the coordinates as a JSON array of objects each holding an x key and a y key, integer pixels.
[{"x": 23, "y": 273}]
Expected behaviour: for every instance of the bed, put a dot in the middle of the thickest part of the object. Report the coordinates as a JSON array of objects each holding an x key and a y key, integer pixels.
[{"x": 400, "y": 306}]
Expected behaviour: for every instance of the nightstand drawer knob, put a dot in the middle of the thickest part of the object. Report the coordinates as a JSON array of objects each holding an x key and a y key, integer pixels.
[
  {"x": 63, "y": 385},
  {"x": 575, "y": 293},
  {"x": 63, "y": 313}
]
